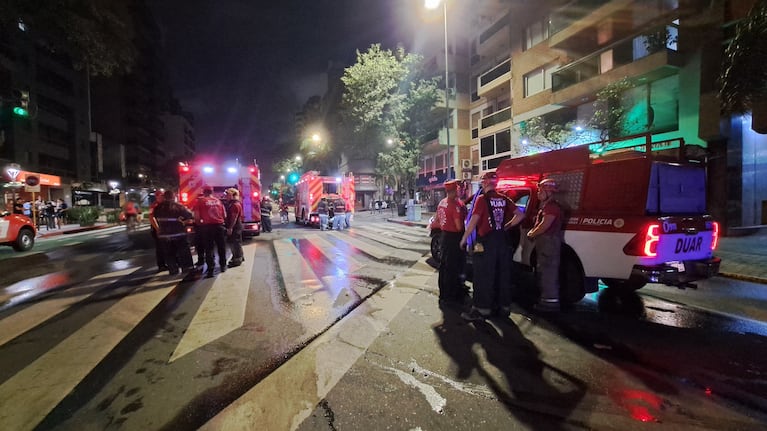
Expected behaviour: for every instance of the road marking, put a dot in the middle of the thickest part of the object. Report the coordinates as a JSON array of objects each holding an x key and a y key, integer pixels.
[
  {"x": 299, "y": 279},
  {"x": 374, "y": 251},
  {"x": 343, "y": 260},
  {"x": 288, "y": 396},
  {"x": 395, "y": 243},
  {"x": 28, "y": 397},
  {"x": 26, "y": 319},
  {"x": 223, "y": 309}
]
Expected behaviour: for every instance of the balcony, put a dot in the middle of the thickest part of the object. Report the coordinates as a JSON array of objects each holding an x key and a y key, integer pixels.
[
  {"x": 495, "y": 121},
  {"x": 495, "y": 38},
  {"x": 632, "y": 57},
  {"x": 495, "y": 81}
]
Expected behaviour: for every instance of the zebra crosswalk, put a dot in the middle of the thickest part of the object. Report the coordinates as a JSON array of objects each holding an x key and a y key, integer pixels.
[{"x": 323, "y": 277}]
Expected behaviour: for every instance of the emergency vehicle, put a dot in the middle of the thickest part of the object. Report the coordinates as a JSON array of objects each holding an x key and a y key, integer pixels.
[
  {"x": 17, "y": 231},
  {"x": 312, "y": 187},
  {"x": 221, "y": 176},
  {"x": 631, "y": 216}
]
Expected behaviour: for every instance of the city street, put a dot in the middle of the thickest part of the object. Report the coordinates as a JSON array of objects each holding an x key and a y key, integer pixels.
[{"x": 341, "y": 330}]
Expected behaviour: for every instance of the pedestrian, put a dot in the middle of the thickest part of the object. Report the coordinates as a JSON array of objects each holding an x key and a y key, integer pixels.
[
  {"x": 322, "y": 210},
  {"x": 492, "y": 214},
  {"x": 547, "y": 234},
  {"x": 283, "y": 206},
  {"x": 61, "y": 212},
  {"x": 449, "y": 219},
  {"x": 339, "y": 218},
  {"x": 266, "y": 214},
  {"x": 331, "y": 215},
  {"x": 131, "y": 214},
  {"x": 27, "y": 208},
  {"x": 234, "y": 227},
  {"x": 199, "y": 243},
  {"x": 210, "y": 213},
  {"x": 349, "y": 212},
  {"x": 50, "y": 215},
  {"x": 168, "y": 219},
  {"x": 159, "y": 250}
]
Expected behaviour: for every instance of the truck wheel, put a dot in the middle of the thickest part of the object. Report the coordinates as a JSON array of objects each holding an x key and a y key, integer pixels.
[
  {"x": 435, "y": 248},
  {"x": 629, "y": 285},
  {"x": 571, "y": 279},
  {"x": 24, "y": 241}
]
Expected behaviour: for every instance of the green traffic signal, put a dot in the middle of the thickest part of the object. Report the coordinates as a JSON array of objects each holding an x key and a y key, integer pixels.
[
  {"x": 21, "y": 112},
  {"x": 293, "y": 178}
]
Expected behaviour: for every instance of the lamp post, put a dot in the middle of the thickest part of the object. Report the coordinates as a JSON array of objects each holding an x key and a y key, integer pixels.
[{"x": 433, "y": 4}]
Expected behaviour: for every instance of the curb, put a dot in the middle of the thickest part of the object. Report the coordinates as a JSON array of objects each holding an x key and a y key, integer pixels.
[
  {"x": 72, "y": 231},
  {"x": 741, "y": 277}
]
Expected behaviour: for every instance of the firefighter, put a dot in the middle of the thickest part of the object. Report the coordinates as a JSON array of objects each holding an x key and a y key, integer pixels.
[
  {"x": 234, "y": 227},
  {"x": 158, "y": 245},
  {"x": 449, "y": 219},
  {"x": 168, "y": 220},
  {"x": 266, "y": 214},
  {"x": 547, "y": 233},
  {"x": 210, "y": 213},
  {"x": 492, "y": 214}
]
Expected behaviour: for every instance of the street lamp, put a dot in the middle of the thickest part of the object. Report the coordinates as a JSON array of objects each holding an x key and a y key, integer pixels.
[{"x": 433, "y": 4}]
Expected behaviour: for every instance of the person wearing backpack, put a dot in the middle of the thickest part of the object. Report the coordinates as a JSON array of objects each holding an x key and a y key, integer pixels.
[{"x": 492, "y": 215}]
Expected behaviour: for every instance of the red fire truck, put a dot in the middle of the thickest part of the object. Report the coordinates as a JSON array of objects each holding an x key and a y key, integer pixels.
[
  {"x": 312, "y": 187},
  {"x": 221, "y": 176},
  {"x": 633, "y": 215}
]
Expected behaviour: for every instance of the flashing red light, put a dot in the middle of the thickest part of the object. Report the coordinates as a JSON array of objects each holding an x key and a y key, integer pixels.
[
  {"x": 183, "y": 168},
  {"x": 184, "y": 197},
  {"x": 651, "y": 240},
  {"x": 715, "y": 238},
  {"x": 252, "y": 169},
  {"x": 255, "y": 194}
]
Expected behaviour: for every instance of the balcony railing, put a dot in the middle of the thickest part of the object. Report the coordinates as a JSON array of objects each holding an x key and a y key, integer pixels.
[
  {"x": 495, "y": 73},
  {"x": 623, "y": 52},
  {"x": 495, "y": 118},
  {"x": 572, "y": 12}
]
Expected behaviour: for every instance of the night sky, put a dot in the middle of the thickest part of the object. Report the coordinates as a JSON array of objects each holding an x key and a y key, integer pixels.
[{"x": 244, "y": 67}]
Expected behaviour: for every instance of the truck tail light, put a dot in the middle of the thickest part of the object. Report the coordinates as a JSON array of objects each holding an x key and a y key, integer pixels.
[
  {"x": 255, "y": 194},
  {"x": 184, "y": 197},
  {"x": 644, "y": 243},
  {"x": 715, "y": 236}
]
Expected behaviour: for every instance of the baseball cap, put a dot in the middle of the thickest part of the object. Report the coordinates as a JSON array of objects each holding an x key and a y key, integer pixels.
[{"x": 492, "y": 176}]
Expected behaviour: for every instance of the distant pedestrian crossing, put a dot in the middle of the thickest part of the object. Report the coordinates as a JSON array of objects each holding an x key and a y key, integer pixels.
[{"x": 321, "y": 277}]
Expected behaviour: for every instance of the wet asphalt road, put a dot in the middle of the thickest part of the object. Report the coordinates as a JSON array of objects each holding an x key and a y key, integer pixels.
[{"x": 157, "y": 352}]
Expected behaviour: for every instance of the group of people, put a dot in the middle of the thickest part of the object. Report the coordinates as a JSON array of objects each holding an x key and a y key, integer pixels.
[
  {"x": 334, "y": 215},
  {"x": 50, "y": 214},
  {"x": 217, "y": 223},
  {"x": 485, "y": 234}
]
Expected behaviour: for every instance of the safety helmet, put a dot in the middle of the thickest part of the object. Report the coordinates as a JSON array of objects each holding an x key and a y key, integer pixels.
[{"x": 548, "y": 184}]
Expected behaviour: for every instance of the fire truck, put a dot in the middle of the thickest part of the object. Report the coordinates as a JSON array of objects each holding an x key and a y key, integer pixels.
[
  {"x": 221, "y": 176},
  {"x": 312, "y": 187},
  {"x": 632, "y": 216}
]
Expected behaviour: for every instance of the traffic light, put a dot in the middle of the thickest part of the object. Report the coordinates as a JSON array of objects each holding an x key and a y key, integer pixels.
[
  {"x": 292, "y": 178},
  {"x": 22, "y": 107}
]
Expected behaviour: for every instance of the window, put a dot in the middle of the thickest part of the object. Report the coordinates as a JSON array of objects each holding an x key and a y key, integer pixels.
[
  {"x": 539, "y": 79},
  {"x": 536, "y": 33}
]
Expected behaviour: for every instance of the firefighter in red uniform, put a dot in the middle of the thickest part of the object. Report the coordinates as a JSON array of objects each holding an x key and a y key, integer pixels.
[
  {"x": 547, "y": 234},
  {"x": 449, "y": 219},
  {"x": 234, "y": 227},
  {"x": 492, "y": 214},
  {"x": 210, "y": 213}
]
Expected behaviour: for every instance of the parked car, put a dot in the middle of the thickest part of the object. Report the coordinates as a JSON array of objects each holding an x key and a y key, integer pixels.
[{"x": 17, "y": 231}]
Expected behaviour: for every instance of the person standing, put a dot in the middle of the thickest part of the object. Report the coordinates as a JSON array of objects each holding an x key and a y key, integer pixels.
[
  {"x": 159, "y": 196},
  {"x": 349, "y": 212},
  {"x": 168, "y": 219},
  {"x": 61, "y": 212},
  {"x": 234, "y": 227},
  {"x": 266, "y": 214},
  {"x": 492, "y": 214},
  {"x": 339, "y": 218},
  {"x": 449, "y": 219},
  {"x": 547, "y": 234},
  {"x": 322, "y": 210},
  {"x": 210, "y": 213}
]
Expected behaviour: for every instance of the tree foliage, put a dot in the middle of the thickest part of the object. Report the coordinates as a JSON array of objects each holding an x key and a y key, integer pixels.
[
  {"x": 96, "y": 34},
  {"x": 743, "y": 80},
  {"x": 550, "y": 132},
  {"x": 610, "y": 114},
  {"x": 387, "y": 96}
]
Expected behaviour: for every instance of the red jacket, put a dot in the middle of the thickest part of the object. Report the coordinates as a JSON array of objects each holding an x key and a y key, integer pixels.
[{"x": 209, "y": 210}]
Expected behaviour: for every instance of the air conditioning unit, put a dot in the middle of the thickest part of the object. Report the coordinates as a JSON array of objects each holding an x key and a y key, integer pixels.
[
  {"x": 467, "y": 175},
  {"x": 466, "y": 164}
]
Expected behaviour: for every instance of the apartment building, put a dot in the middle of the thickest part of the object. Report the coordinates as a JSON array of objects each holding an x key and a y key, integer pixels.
[{"x": 547, "y": 62}]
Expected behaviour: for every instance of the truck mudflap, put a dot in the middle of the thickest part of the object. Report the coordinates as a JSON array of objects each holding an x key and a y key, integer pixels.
[{"x": 678, "y": 273}]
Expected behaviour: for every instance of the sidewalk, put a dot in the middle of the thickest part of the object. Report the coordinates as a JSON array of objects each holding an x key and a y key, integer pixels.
[
  {"x": 70, "y": 228},
  {"x": 743, "y": 257}
]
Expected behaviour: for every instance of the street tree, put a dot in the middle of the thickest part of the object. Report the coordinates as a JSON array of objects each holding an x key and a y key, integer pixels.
[
  {"x": 96, "y": 34},
  {"x": 743, "y": 80},
  {"x": 609, "y": 111},
  {"x": 387, "y": 95},
  {"x": 550, "y": 132}
]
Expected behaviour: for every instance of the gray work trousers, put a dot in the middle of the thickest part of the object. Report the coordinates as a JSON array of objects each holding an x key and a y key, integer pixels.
[{"x": 548, "y": 249}]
